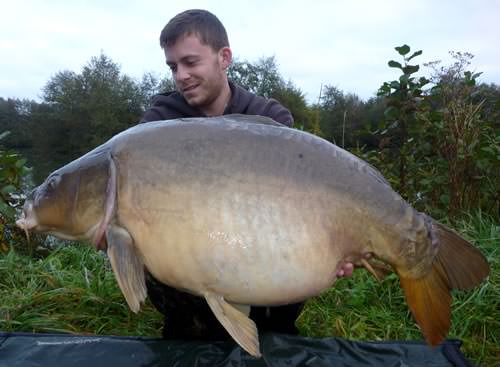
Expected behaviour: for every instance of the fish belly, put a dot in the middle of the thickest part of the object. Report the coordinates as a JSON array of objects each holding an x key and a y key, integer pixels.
[{"x": 252, "y": 249}]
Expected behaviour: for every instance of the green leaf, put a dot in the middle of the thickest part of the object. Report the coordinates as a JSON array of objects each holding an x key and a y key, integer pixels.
[
  {"x": 417, "y": 92},
  {"x": 384, "y": 89},
  {"x": 395, "y": 85},
  {"x": 403, "y": 79},
  {"x": 403, "y": 50},
  {"x": 6, "y": 210},
  {"x": 423, "y": 81},
  {"x": 21, "y": 162},
  {"x": 25, "y": 170},
  {"x": 395, "y": 64},
  {"x": 8, "y": 189},
  {"x": 445, "y": 199},
  {"x": 470, "y": 82},
  {"x": 410, "y": 69},
  {"x": 416, "y": 53}
]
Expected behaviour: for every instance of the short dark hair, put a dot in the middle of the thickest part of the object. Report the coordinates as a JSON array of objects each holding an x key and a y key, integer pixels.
[{"x": 201, "y": 23}]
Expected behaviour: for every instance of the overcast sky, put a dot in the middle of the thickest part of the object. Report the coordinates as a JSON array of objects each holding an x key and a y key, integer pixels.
[{"x": 342, "y": 43}]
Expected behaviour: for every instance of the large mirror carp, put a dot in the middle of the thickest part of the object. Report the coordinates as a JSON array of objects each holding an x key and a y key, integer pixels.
[{"x": 243, "y": 211}]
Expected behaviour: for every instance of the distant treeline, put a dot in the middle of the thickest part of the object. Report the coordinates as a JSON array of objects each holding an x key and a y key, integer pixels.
[
  {"x": 82, "y": 110},
  {"x": 402, "y": 124}
]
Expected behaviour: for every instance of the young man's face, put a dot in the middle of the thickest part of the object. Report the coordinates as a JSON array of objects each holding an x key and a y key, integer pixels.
[{"x": 199, "y": 72}]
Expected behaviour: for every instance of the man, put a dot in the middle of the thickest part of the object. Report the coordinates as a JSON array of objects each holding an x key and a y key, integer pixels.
[{"x": 197, "y": 52}]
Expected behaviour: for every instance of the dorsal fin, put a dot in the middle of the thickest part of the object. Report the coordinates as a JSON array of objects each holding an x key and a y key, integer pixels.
[{"x": 252, "y": 119}]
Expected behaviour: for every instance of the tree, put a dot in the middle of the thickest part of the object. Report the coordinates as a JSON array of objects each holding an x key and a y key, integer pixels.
[
  {"x": 403, "y": 97},
  {"x": 14, "y": 117},
  {"x": 94, "y": 105},
  {"x": 261, "y": 78},
  {"x": 463, "y": 136},
  {"x": 151, "y": 84},
  {"x": 292, "y": 98},
  {"x": 264, "y": 79},
  {"x": 340, "y": 115},
  {"x": 436, "y": 146}
]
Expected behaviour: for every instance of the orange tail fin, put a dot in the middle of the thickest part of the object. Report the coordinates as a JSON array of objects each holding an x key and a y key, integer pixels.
[
  {"x": 458, "y": 265},
  {"x": 465, "y": 266}
]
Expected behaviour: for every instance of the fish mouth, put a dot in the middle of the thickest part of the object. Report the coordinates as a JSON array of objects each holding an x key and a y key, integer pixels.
[
  {"x": 27, "y": 221},
  {"x": 30, "y": 224},
  {"x": 25, "y": 226}
]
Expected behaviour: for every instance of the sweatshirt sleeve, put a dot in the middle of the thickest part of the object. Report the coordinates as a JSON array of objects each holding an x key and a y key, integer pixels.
[
  {"x": 278, "y": 112},
  {"x": 169, "y": 106},
  {"x": 258, "y": 105},
  {"x": 151, "y": 114}
]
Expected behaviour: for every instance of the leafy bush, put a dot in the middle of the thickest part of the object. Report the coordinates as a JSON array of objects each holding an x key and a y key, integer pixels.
[
  {"x": 12, "y": 170},
  {"x": 436, "y": 146}
]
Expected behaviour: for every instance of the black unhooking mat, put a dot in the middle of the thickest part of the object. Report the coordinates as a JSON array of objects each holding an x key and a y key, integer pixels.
[{"x": 61, "y": 350}]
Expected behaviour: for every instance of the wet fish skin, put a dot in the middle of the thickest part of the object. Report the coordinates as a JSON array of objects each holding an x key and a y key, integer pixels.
[{"x": 243, "y": 211}]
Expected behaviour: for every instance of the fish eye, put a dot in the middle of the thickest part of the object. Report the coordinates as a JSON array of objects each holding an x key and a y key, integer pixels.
[{"x": 53, "y": 181}]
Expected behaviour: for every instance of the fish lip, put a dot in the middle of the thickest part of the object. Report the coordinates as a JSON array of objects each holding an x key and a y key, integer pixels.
[
  {"x": 27, "y": 221},
  {"x": 21, "y": 222},
  {"x": 25, "y": 225}
]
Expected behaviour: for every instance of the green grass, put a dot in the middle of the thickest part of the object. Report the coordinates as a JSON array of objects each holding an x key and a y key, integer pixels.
[
  {"x": 71, "y": 290},
  {"x": 74, "y": 290}
]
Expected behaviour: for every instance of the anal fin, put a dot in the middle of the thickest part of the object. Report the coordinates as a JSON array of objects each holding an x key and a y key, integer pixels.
[
  {"x": 237, "y": 324},
  {"x": 127, "y": 266},
  {"x": 376, "y": 268}
]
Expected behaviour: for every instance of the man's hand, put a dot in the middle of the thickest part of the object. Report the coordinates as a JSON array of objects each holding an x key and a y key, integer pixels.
[
  {"x": 347, "y": 267},
  {"x": 345, "y": 270}
]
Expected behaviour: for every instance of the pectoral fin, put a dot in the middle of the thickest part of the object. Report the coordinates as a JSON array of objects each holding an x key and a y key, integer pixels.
[
  {"x": 237, "y": 324},
  {"x": 244, "y": 309},
  {"x": 127, "y": 266}
]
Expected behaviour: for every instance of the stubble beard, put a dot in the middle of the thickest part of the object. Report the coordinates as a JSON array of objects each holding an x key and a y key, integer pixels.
[{"x": 208, "y": 93}]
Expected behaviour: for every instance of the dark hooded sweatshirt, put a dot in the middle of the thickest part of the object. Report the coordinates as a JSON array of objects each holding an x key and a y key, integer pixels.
[
  {"x": 188, "y": 316},
  {"x": 172, "y": 105}
]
